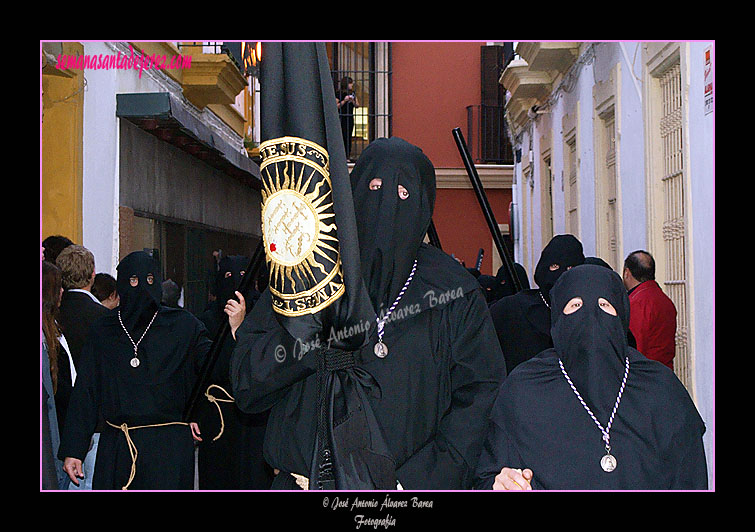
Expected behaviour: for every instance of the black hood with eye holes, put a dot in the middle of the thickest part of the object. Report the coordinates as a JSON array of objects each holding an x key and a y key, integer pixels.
[
  {"x": 564, "y": 250},
  {"x": 229, "y": 276},
  {"x": 138, "y": 303},
  {"x": 390, "y": 229},
  {"x": 590, "y": 342}
]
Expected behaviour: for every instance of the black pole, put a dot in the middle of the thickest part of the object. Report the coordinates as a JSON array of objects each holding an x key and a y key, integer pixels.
[
  {"x": 212, "y": 356},
  {"x": 485, "y": 206},
  {"x": 480, "y": 256},
  {"x": 432, "y": 235}
]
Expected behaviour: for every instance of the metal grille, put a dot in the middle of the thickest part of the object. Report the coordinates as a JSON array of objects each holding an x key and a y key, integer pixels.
[
  {"x": 487, "y": 136},
  {"x": 368, "y": 64},
  {"x": 209, "y": 47},
  {"x": 674, "y": 227}
]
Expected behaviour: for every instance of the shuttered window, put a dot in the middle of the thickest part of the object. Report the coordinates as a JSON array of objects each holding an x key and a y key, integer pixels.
[{"x": 572, "y": 199}]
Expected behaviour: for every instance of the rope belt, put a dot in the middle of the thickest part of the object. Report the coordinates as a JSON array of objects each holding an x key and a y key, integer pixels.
[
  {"x": 132, "y": 448},
  {"x": 301, "y": 481},
  {"x": 215, "y": 400}
]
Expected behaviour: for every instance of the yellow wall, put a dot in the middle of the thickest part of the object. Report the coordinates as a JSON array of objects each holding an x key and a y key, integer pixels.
[{"x": 62, "y": 146}]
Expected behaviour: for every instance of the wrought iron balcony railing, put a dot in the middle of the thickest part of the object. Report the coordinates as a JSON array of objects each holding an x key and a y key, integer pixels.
[{"x": 487, "y": 135}]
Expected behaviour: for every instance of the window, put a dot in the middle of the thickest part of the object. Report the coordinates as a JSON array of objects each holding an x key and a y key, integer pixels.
[
  {"x": 607, "y": 192},
  {"x": 571, "y": 199},
  {"x": 546, "y": 191},
  {"x": 368, "y": 65},
  {"x": 526, "y": 222},
  {"x": 674, "y": 225},
  {"x": 665, "y": 119}
]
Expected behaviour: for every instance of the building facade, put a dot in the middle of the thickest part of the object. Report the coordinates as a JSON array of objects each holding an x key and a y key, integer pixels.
[
  {"x": 440, "y": 86},
  {"x": 143, "y": 148},
  {"x": 615, "y": 144}
]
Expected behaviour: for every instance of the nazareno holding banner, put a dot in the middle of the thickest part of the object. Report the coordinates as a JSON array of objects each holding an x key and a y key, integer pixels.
[{"x": 373, "y": 351}]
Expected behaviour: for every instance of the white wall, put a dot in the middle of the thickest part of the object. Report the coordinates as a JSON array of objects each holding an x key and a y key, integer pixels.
[
  {"x": 632, "y": 151},
  {"x": 100, "y": 168},
  {"x": 701, "y": 134},
  {"x": 100, "y": 148}
]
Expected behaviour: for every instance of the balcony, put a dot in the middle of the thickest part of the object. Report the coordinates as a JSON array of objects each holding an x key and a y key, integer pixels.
[
  {"x": 549, "y": 56},
  {"x": 526, "y": 88},
  {"x": 214, "y": 77},
  {"x": 523, "y": 82},
  {"x": 488, "y": 141},
  {"x": 531, "y": 77}
]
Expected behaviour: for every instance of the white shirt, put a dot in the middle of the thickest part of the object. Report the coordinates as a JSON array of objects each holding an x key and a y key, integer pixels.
[
  {"x": 64, "y": 345},
  {"x": 87, "y": 292}
]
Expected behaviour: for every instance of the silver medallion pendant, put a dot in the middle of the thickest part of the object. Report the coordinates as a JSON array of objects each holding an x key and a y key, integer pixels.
[
  {"x": 381, "y": 350},
  {"x": 608, "y": 463},
  {"x": 134, "y": 362}
]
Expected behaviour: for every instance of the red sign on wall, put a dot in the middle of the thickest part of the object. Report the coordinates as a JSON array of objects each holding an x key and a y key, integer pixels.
[{"x": 708, "y": 82}]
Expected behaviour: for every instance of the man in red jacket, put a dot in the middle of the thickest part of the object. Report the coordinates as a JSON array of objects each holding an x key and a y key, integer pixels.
[{"x": 652, "y": 318}]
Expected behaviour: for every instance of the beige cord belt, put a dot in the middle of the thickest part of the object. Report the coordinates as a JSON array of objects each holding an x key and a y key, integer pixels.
[
  {"x": 301, "y": 481},
  {"x": 132, "y": 448},
  {"x": 215, "y": 401}
]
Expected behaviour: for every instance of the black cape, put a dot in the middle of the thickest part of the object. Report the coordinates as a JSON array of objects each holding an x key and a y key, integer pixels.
[
  {"x": 155, "y": 392},
  {"x": 436, "y": 385},
  {"x": 233, "y": 461},
  {"x": 539, "y": 423}
]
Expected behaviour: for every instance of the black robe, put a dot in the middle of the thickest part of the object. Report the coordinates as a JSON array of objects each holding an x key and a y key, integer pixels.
[
  {"x": 436, "y": 384},
  {"x": 234, "y": 461},
  {"x": 522, "y": 323},
  {"x": 155, "y": 392},
  {"x": 539, "y": 423}
]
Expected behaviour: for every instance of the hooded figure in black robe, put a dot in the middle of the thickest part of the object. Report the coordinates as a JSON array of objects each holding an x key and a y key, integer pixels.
[
  {"x": 505, "y": 284},
  {"x": 433, "y": 390},
  {"x": 155, "y": 392},
  {"x": 488, "y": 284},
  {"x": 234, "y": 460},
  {"x": 538, "y": 421},
  {"x": 522, "y": 321}
]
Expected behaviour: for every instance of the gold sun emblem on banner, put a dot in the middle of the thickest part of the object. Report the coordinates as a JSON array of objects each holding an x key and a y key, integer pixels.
[{"x": 298, "y": 226}]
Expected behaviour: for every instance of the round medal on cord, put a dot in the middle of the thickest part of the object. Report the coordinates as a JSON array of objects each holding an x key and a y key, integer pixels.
[
  {"x": 381, "y": 350},
  {"x": 135, "y": 361},
  {"x": 608, "y": 462}
]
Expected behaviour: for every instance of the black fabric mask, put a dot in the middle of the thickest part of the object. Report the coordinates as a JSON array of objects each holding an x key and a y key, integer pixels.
[
  {"x": 489, "y": 285},
  {"x": 138, "y": 303},
  {"x": 591, "y": 343},
  {"x": 564, "y": 250},
  {"x": 229, "y": 276},
  {"x": 505, "y": 286},
  {"x": 390, "y": 229}
]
